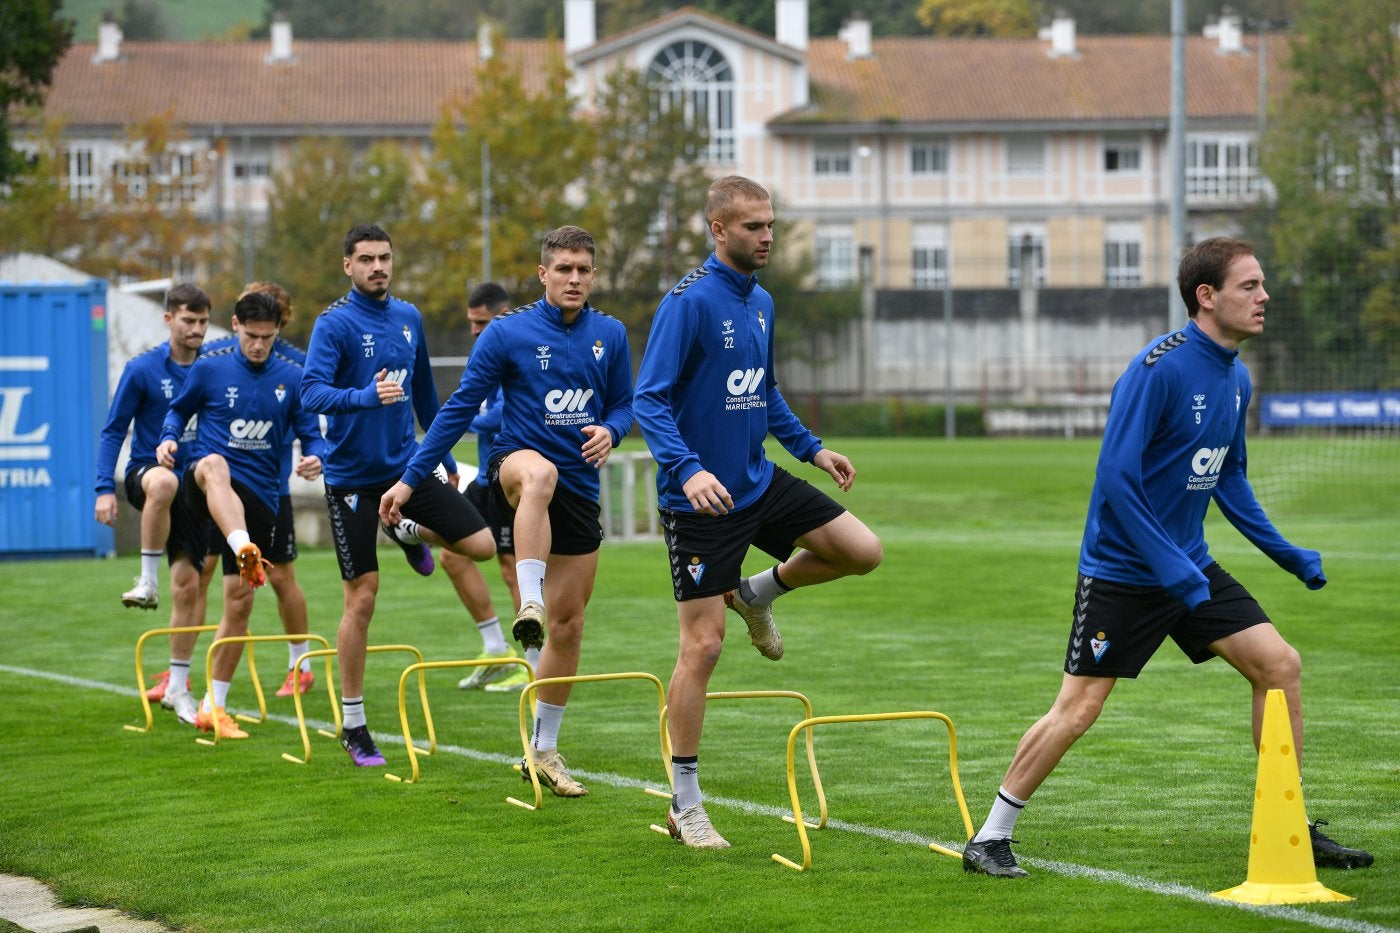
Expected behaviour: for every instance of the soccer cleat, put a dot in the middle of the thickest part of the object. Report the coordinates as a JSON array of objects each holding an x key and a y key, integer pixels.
[
  {"x": 159, "y": 683},
  {"x": 183, "y": 704},
  {"x": 512, "y": 684},
  {"x": 762, "y": 632},
  {"x": 228, "y": 729},
  {"x": 250, "y": 565},
  {"x": 418, "y": 554},
  {"x": 692, "y": 826},
  {"x": 488, "y": 673},
  {"x": 296, "y": 682},
  {"x": 529, "y": 626},
  {"x": 553, "y": 773},
  {"x": 1328, "y": 853},
  {"x": 145, "y": 594},
  {"x": 992, "y": 857},
  {"x": 359, "y": 745}
]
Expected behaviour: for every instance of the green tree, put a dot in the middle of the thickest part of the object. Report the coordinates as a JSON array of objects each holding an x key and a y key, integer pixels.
[
  {"x": 646, "y": 196},
  {"x": 325, "y": 190},
  {"x": 1334, "y": 228},
  {"x": 981, "y": 17},
  {"x": 33, "y": 37},
  {"x": 538, "y": 155}
]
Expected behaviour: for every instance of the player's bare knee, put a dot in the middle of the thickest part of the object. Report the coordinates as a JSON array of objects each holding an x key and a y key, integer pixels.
[
  {"x": 1281, "y": 669},
  {"x": 478, "y": 547}
]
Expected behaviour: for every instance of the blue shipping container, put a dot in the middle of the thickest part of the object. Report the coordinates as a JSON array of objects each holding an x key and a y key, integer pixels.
[{"x": 53, "y": 403}]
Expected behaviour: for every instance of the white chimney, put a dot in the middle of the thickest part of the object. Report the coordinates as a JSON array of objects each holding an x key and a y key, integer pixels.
[
  {"x": 485, "y": 36},
  {"x": 856, "y": 34},
  {"x": 580, "y": 25},
  {"x": 791, "y": 16},
  {"x": 109, "y": 40},
  {"x": 281, "y": 40},
  {"x": 1061, "y": 34},
  {"x": 1230, "y": 29}
]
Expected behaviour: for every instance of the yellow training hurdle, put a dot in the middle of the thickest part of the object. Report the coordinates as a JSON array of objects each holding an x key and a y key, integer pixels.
[
  {"x": 250, "y": 641},
  {"x": 141, "y": 673},
  {"x": 527, "y": 700},
  {"x": 419, "y": 668},
  {"x": 808, "y": 724}
]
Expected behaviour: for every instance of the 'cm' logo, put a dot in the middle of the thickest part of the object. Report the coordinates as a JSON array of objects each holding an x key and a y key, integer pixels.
[
  {"x": 1207, "y": 461},
  {"x": 396, "y": 376},
  {"x": 561, "y": 400},
  {"x": 744, "y": 381},
  {"x": 249, "y": 430}
]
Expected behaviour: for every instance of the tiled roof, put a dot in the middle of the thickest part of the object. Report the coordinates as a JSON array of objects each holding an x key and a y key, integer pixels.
[
  {"x": 352, "y": 85},
  {"x": 400, "y": 86},
  {"x": 1112, "y": 78}
]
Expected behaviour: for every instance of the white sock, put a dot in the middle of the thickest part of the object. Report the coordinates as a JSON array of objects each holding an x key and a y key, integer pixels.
[
  {"x": 762, "y": 588},
  {"x": 179, "y": 676},
  {"x": 408, "y": 531},
  {"x": 529, "y": 573},
  {"x": 533, "y": 656},
  {"x": 237, "y": 539},
  {"x": 493, "y": 640},
  {"x": 150, "y": 565},
  {"x": 353, "y": 710},
  {"x": 1002, "y": 820},
  {"x": 220, "y": 695},
  {"x": 685, "y": 777},
  {"x": 547, "y": 719},
  {"x": 296, "y": 649}
]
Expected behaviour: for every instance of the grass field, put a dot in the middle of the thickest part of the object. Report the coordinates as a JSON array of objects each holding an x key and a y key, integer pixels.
[{"x": 968, "y": 616}]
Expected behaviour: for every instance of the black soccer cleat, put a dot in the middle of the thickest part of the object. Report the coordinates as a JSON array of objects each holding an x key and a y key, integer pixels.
[
  {"x": 992, "y": 857},
  {"x": 1328, "y": 853}
]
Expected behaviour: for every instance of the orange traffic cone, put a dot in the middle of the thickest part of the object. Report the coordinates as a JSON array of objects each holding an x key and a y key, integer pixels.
[{"x": 1281, "y": 869}]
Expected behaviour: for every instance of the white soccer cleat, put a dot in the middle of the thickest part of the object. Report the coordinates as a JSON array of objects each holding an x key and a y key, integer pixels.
[
  {"x": 145, "y": 594},
  {"x": 183, "y": 704},
  {"x": 762, "y": 632},
  {"x": 553, "y": 773},
  {"x": 692, "y": 826}
]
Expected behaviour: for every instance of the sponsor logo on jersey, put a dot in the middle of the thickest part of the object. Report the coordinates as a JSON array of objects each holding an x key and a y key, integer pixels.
[
  {"x": 249, "y": 434},
  {"x": 1205, "y": 467},
  {"x": 567, "y": 406},
  {"x": 397, "y": 376},
  {"x": 367, "y": 345},
  {"x": 542, "y": 354},
  {"x": 1200, "y": 406},
  {"x": 742, "y": 386},
  {"x": 231, "y": 393},
  {"x": 167, "y": 388}
]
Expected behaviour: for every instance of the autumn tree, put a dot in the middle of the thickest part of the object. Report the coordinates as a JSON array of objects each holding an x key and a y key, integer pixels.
[
  {"x": 1331, "y": 151},
  {"x": 1004, "y": 18},
  {"x": 33, "y": 37}
]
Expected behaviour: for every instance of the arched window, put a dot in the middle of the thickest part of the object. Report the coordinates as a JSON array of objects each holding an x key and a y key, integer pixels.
[{"x": 695, "y": 76}]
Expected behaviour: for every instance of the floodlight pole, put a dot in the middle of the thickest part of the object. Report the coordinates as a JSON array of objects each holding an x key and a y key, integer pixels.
[{"x": 1176, "y": 158}]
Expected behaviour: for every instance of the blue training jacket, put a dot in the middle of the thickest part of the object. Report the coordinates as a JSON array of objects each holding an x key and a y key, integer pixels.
[
  {"x": 149, "y": 382},
  {"x": 707, "y": 395},
  {"x": 1174, "y": 441},
  {"x": 555, "y": 377},
  {"x": 247, "y": 413},
  {"x": 368, "y": 443},
  {"x": 485, "y": 426},
  {"x": 292, "y": 352}
]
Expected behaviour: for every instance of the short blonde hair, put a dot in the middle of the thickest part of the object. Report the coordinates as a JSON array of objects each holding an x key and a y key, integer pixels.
[{"x": 724, "y": 192}]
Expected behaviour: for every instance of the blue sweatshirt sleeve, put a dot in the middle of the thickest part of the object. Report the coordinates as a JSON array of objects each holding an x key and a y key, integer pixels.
[
  {"x": 1235, "y": 498},
  {"x": 490, "y": 417},
  {"x": 308, "y": 430},
  {"x": 1137, "y": 405},
  {"x": 672, "y": 332},
  {"x": 185, "y": 405},
  {"x": 452, "y": 420},
  {"x": 425, "y": 398},
  {"x": 125, "y": 403},
  {"x": 318, "y": 391},
  {"x": 617, "y": 409}
]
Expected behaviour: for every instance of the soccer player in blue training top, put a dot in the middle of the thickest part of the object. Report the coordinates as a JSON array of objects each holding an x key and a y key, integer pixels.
[
  {"x": 487, "y": 301},
  {"x": 367, "y": 371},
  {"x": 706, "y": 398},
  {"x": 291, "y": 601},
  {"x": 248, "y": 402},
  {"x": 148, "y": 384},
  {"x": 1174, "y": 442},
  {"x": 567, "y": 374}
]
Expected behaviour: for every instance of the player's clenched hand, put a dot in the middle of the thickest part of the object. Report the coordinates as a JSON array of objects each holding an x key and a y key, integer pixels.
[
  {"x": 165, "y": 454},
  {"x": 837, "y": 466},
  {"x": 391, "y": 501},
  {"x": 707, "y": 494},
  {"x": 309, "y": 467},
  {"x": 389, "y": 390},
  {"x": 598, "y": 446},
  {"x": 106, "y": 511}
]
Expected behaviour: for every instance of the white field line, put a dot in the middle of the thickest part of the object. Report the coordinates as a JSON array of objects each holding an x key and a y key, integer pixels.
[{"x": 1106, "y": 876}]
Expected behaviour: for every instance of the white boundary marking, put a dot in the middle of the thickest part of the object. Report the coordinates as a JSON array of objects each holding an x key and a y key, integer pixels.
[{"x": 1069, "y": 869}]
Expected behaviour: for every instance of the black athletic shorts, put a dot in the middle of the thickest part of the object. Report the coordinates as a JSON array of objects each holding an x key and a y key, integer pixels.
[
  {"x": 573, "y": 519},
  {"x": 284, "y": 534},
  {"x": 707, "y": 551},
  {"x": 1118, "y": 627},
  {"x": 258, "y": 517},
  {"x": 502, "y": 526},
  {"x": 355, "y": 519},
  {"x": 189, "y": 537}
]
